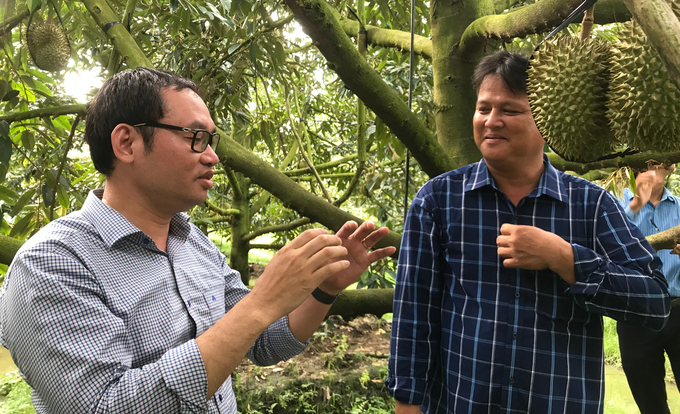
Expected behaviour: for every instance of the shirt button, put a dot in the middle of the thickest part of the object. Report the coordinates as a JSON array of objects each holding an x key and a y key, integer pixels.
[
  {"x": 517, "y": 294},
  {"x": 145, "y": 241},
  {"x": 512, "y": 380},
  {"x": 514, "y": 335}
]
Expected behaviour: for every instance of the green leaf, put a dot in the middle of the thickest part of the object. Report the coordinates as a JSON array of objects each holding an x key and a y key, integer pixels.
[
  {"x": 226, "y": 5},
  {"x": 3, "y": 171},
  {"x": 27, "y": 140},
  {"x": 233, "y": 48},
  {"x": 63, "y": 198},
  {"x": 33, "y": 4},
  {"x": 4, "y": 129},
  {"x": 23, "y": 200},
  {"x": 631, "y": 181},
  {"x": 21, "y": 227},
  {"x": 8, "y": 195},
  {"x": 5, "y": 149},
  {"x": 173, "y": 5},
  {"x": 47, "y": 195}
]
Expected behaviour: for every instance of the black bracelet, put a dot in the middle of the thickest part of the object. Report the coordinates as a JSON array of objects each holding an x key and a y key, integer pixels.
[{"x": 323, "y": 297}]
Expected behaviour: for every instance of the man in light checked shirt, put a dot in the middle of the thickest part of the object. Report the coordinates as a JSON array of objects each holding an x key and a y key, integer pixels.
[
  {"x": 126, "y": 307},
  {"x": 505, "y": 269}
]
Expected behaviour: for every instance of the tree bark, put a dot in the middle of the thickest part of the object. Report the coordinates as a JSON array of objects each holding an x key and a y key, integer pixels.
[
  {"x": 388, "y": 38},
  {"x": 37, "y": 113},
  {"x": 662, "y": 28},
  {"x": 318, "y": 21},
  {"x": 638, "y": 161},
  {"x": 353, "y": 303},
  {"x": 105, "y": 17},
  {"x": 666, "y": 239}
]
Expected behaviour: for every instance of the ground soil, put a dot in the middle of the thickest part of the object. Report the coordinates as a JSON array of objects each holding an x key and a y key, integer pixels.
[{"x": 341, "y": 347}]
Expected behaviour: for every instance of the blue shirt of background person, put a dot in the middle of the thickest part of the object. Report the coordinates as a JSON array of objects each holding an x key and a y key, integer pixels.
[
  {"x": 653, "y": 219},
  {"x": 653, "y": 209},
  {"x": 505, "y": 268}
]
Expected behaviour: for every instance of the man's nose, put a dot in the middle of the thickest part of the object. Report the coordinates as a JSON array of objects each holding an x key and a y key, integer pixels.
[{"x": 210, "y": 157}]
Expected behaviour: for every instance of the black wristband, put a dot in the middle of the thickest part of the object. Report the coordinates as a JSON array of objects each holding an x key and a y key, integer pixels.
[{"x": 323, "y": 297}]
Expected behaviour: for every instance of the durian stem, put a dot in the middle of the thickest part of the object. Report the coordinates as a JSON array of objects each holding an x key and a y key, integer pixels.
[
  {"x": 587, "y": 23},
  {"x": 662, "y": 28}
]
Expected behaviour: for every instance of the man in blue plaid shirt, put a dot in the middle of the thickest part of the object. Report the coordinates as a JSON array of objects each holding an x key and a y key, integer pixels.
[
  {"x": 125, "y": 306},
  {"x": 505, "y": 269}
]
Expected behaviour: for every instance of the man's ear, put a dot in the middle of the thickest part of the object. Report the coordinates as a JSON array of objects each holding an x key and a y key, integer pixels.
[{"x": 126, "y": 141}]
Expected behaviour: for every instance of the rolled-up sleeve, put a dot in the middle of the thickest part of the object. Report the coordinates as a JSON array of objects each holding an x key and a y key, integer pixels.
[{"x": 622, "y": 277}]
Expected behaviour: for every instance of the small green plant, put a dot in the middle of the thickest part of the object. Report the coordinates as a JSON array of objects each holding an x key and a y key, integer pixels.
[
  {"x": 365, "y": 378},
  {"x": 293, "y": 370}
]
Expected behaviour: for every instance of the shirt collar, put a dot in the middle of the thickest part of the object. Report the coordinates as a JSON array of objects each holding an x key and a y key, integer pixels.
[
  {"x": 113, "y": 226},
  {"x": 550, "y": 184},
  {"x": 666, "y": 196}
]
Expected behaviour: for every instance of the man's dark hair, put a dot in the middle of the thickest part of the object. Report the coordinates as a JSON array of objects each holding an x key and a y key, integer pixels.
[
  {"x": 511, "y": 67},
  {"x": 130, "y": 97}
]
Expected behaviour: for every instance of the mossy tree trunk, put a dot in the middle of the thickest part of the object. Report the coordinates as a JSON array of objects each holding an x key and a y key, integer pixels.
[{"x": 240, "y": 223}]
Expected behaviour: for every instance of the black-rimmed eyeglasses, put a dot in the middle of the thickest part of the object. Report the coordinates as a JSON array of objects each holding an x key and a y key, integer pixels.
[{"x": 200, "y": 141}]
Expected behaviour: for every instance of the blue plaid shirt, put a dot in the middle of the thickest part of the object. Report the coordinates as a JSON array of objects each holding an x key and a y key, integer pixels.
[
  {"x": 651, "y": 220},
  {"x": 98, "y": 319},
  {"x": 471, "y": 336}
]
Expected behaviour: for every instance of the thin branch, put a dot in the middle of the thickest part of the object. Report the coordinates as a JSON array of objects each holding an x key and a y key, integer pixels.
[
  {"x": 388, "y": 38},
  {"x": 633, "y": 161},
  {"x": 587, "y": 23},
  {"x": 79, "y": 109},
  {"x": 267, "y": 246},
  {"x": 304, "y": 154},
  {"x": 222, "y": 211},
  {"x": 14, "y": 22},
  {"x": 274, "y": 229},
  {"x": 63, "y": 163},
  {"x": 234, "y": 182}
]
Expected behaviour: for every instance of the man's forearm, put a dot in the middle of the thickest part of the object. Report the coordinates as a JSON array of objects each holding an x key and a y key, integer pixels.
[
  {"x": 224, "y": 345},
  {"x": 402, "y": 408},
  {"x": 306, "y": 318}
]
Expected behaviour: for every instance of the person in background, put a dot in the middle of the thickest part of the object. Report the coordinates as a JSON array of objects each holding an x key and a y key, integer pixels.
[
  {"x": 505, "y": 268},
  {"x": 127, "y": 307},
  {"x": 652, "y": 208}
]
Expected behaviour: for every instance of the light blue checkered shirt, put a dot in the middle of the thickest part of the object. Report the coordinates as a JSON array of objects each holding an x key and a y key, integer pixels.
[
  {"x": 98, "y": 319},
  {"x": 651, "y": 220}
]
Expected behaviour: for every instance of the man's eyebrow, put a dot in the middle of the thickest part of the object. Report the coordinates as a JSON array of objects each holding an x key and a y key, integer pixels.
[{"x": 200, "y": 125}]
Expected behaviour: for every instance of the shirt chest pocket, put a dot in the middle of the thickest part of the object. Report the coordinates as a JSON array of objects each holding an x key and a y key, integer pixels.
[{"x": 214, "y": 298}]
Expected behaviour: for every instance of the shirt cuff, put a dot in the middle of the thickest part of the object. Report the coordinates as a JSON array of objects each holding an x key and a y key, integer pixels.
[
  {"x": 586, "y": 266},
  {"x": 406, "y": 390},
  {"x": 184, "y": 373}
]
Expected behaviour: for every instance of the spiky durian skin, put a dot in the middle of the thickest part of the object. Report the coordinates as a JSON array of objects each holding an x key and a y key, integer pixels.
[
  {"x": 567, "y": 86},
  {"x": 644, "y": 103},
  {"x": 48, "y": 45}
]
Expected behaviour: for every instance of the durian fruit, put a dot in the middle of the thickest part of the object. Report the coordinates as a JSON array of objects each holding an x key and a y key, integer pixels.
[
  {"x": 567, "y": 88},
  {"x": 48, "y": 45},
  {"x": 644, "y": 103}
]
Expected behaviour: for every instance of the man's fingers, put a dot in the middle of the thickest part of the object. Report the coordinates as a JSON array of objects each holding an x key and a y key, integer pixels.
[
  {"x": 504, "y": 252},
  {"x": 370, "y": 239},
  {"x": 330, "y": 269},
  {"x": 510, "y": 262},
  {"x": 347, "y": 229},
  {"x": 506, "y": 228},
  {"x": 306, "y": 237},
  {"x": 326, "y": 255},
  {"x": 381, "y": 253}
]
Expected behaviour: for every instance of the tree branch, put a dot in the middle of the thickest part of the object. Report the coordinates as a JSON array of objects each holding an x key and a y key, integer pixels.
[
  {"x": 388, "y": 38},
  {"x": 318, "y": 21},
  {"x": 633, "y": 161},
  {"x": 220, "y": 210},
  {"x": 62, "y": 164},
  {"x": 38, "y": 113},
  {"x": 14, "y": 22},
  {"x": 273, "y": 229},
  {"x": 520, "y": 22},
  {"x": 102, "y": 13},
  {"x": 666, "y": 239}
]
